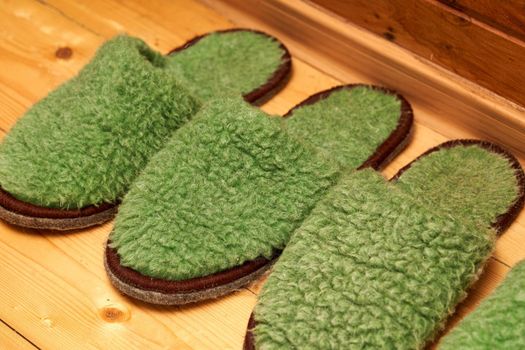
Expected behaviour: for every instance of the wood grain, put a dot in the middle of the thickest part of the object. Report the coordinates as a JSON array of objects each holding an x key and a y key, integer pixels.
[
  {"x": 9, "y": 339},
  {"x": 508, "y": 16},
  {"x": 54, "y": 288},
  {"x": 444, "y": 36}
]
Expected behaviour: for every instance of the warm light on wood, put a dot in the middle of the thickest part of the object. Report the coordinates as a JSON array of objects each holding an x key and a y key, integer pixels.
[{"x": 54, "y": 290}]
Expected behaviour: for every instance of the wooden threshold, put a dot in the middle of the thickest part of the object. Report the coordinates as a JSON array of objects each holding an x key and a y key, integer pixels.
[{"x": 442, "y": 100}]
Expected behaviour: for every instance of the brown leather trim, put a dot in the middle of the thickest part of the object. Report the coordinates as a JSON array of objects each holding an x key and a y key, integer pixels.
[
  {"x": 396, "y": 139},
  {"x": 160, "y": 298},
  {"x": 501, "y": 223},
  {"x": 249, "y": 338},
  {"x": 134, "y": 278},
  {"x": 389, "y": 147},
  {"x": 275, "y": 82},
  {"x": 20, "y": 207}
]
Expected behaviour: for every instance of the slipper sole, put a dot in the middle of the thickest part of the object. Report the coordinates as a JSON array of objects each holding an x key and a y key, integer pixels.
[
  {"x": 24, "y": 214},
  {"x": 164, "y": 292},
  {"x": 153, "y": 290}
]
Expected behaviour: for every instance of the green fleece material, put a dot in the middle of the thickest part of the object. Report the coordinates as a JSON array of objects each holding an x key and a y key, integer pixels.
[
  {"x": 228, "y": 64},
  {"x": 233, "y": 184},
  {"x": 338, "y": 129},
  {"x": 498, "y": 323},
  {"x": 381, "y": 264},
  {"x": 87, "y": 140}
]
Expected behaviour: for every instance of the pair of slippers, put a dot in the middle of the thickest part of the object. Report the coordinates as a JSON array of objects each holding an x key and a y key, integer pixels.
[
  {"x": 213, "y": 190},
  {"x": 68, "y": 162}
]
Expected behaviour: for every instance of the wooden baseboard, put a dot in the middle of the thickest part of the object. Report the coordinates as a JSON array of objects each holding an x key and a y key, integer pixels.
[
  {"x": 445, "y": 35},
  {"x": 442, "y": 100}
]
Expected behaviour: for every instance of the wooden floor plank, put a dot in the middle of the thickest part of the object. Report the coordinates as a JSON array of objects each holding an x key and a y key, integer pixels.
[
  {"x": 34, "y": 33},
  {"x": 58, "y": 294},
  {"x": 509, "y": 247},
  {"x": 163, "y": 24},
  {"x": 10, "y": 339}
]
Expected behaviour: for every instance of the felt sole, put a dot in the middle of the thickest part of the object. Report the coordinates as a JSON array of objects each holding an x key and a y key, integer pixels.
[
  {"x": 213, "y": 286},
  {"x": 155, "y": 290},
  {"x": 501, "y": 223},
  {"x": 24, "y": 214}
]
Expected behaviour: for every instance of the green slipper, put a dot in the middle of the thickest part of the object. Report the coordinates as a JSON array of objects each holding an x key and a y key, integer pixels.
[
  {"x": 381, "y": 264},
  {"x": 69, "y": 160},
  {"x": 212, "y": 209},
  {"x": 498, "y": 323}
]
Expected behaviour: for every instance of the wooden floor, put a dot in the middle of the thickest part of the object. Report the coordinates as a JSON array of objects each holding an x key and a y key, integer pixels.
[{"x": 54, "y": 293}]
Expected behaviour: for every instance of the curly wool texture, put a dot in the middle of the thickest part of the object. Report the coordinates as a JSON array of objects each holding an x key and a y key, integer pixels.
[
  {"x": 375, "y": 267},
  {"x": 86, "y": 141},
  {"x": 230, "y": 186},
  {"x": 338, "y": 129},
  {"x": 472, "y": 183},
  {"x": 498, "y": 323},
  {"x": 227, "y": 64}
]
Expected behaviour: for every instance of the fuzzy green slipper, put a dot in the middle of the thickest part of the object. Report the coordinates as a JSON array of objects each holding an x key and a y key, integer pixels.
[
  {"x": 69, "y": 160},
  {"x": 498, "y": 323},
  {"x": 381, "y": 264},
  {"x": 218, "y": 203}
]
